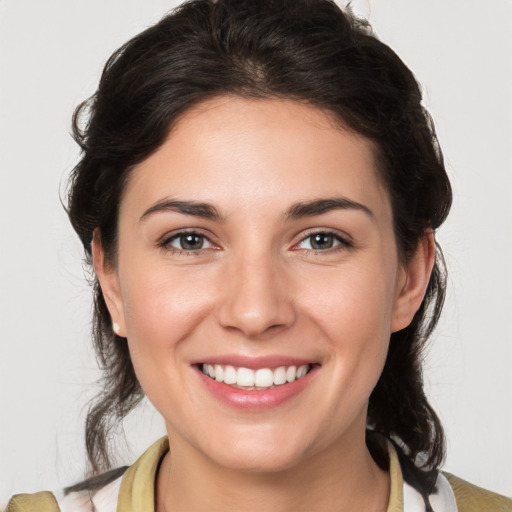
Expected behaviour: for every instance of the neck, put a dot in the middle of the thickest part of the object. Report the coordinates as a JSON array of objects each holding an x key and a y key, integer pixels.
[{"x": 343, "y": 478}]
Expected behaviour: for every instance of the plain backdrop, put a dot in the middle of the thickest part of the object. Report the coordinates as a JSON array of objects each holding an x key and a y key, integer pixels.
[{"x": 51, "y": 54}]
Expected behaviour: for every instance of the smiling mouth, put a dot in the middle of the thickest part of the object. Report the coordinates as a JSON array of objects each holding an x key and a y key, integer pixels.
[{"x": 258, "y": 379}]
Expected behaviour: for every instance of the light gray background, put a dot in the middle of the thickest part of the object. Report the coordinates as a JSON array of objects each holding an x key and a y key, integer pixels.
[{"x": 51, "y": 54}]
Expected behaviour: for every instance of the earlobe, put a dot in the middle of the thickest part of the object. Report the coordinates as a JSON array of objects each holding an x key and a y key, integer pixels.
[
  {"x": 417, "y": 275},
  {"x": 109, "y": 283}
]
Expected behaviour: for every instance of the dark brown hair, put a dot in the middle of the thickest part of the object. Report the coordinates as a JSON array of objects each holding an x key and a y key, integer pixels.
[{"x": 305, "y": 50}]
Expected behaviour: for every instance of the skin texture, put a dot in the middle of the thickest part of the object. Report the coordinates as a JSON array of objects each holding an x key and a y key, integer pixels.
[{"x": 259, "y": 288}]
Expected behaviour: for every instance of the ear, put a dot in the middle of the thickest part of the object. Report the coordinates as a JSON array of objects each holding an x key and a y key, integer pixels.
[
  {"x": 413, "y": 282},
  {"x": 109, "y": 282}
]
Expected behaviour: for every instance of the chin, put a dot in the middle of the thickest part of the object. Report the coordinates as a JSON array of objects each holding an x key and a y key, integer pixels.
[
  {"x": 257, "y": 453},
  {"x": 257, "y": 461}
]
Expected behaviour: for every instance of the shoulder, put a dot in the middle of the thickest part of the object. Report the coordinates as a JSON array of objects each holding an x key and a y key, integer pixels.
[
  {"x": 471, "y": 498},
  {"x": 131, "y": 489},
  {"x": 102, "y": 500},
  {"x": 43, "y": 501}
]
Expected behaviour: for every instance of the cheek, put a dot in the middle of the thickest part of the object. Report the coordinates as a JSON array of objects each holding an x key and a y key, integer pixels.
[
  {"x": 356, "y": 300},
  {"x": 162, "y": 310},
  {"x": 162, "y": 307},
  {"x": 354, "y": 312}
]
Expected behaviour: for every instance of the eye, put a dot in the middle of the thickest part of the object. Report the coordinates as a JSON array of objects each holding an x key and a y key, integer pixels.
[
  {"x": 188, "y": 242},
  {"x": 322, "y": 241}
]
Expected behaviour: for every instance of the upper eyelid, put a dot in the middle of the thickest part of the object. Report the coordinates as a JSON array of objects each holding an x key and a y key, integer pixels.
[
  {"x": 337, "y": 234},
  {"x": 344, "y": 243},
  {"x": 184, "y": 231},
  {"x": 165, "y": 242}
]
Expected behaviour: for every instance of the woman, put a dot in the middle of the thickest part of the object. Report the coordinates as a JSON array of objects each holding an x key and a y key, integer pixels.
[{"x": 258, "y": 194}]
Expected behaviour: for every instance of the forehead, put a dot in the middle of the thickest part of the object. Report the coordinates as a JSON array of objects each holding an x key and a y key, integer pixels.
[{"x": 240, "y": 152}]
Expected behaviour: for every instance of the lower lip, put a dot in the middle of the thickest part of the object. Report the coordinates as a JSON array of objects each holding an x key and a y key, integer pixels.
[{"x": 255, "y": 399}]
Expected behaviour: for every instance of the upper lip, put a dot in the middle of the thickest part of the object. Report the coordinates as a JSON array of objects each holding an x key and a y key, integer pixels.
[{"x": 241, "y": 361}]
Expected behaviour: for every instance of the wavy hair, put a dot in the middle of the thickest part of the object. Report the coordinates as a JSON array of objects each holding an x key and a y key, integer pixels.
[{"x": 305, "y": 50}]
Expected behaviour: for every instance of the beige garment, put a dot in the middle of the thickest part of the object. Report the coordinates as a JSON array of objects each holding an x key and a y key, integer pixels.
[{"x": 137, "y": 486}]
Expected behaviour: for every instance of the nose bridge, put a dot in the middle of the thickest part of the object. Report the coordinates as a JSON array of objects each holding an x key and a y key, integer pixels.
[{"x": 255, "y": 298}]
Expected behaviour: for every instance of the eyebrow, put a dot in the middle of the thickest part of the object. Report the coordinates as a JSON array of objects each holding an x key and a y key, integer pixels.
[
  {"x": 296, "y": 211},
  {"x": 197, "y": 209},
  {"x": 320, "y": 206}
]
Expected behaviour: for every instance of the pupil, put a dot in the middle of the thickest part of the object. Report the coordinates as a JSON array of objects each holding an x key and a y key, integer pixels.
[
  {"x": 191, "y": 241},
  {"x": 322, "y": 241}
]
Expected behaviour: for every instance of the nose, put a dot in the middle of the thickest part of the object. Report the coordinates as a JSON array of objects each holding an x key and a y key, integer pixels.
[{"x": 257, "y": 298}]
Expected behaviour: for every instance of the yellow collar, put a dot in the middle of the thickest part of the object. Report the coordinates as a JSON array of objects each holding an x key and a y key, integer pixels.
[{"x": 137, "y": 490}]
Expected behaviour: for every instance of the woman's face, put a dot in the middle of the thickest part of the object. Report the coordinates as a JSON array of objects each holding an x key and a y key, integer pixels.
[{"x": 257, "y": 244}]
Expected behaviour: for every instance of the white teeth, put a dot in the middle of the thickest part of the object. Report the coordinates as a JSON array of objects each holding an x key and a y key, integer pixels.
[
  {"x": 291, "y": 373},
  {"x": 261, "y": 378},
  {"x": 245, "y": 377},
  {"x": 229, "y": 375},
  {"x": 301, "y": 371},
  {"x": 280, "y": 375}
]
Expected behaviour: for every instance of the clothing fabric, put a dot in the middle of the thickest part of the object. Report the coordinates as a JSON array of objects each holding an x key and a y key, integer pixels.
[{"x": 134, "y": 491}]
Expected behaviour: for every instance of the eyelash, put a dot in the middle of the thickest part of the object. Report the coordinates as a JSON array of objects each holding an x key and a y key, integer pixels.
[
  {"x": 343, "y": 242},
  {"x": 166, "y": 243}
]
